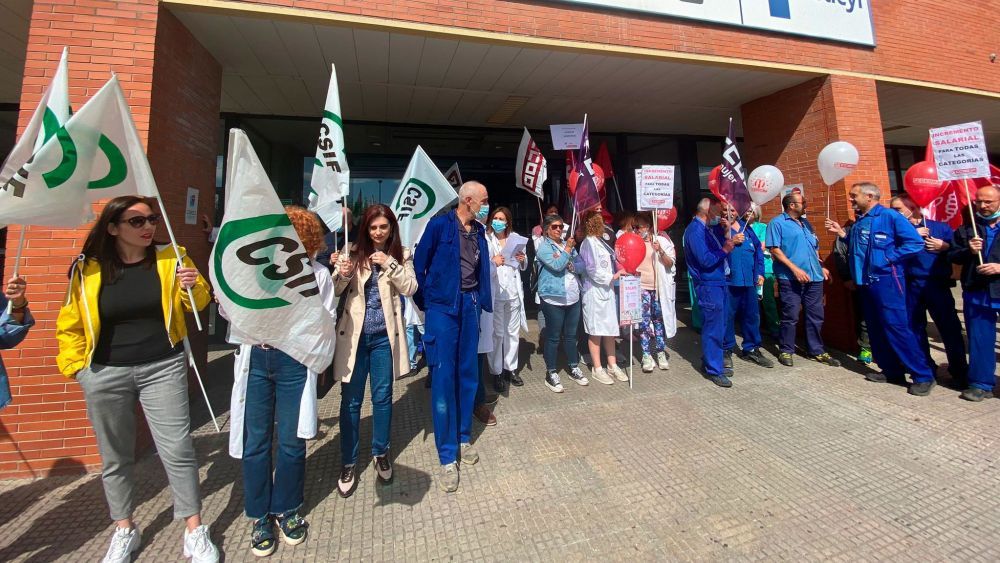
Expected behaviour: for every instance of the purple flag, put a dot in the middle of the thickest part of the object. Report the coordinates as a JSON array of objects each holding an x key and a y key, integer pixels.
[
  {"x": 586, "y": 195},
  {"x": 732, "y": 182}
]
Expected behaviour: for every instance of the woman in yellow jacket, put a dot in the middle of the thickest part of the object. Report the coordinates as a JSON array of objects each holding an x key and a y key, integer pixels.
[{"x": 121, "y": 335}]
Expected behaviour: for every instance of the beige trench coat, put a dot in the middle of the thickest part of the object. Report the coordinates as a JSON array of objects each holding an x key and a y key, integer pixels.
[{"x": 396, "y": 279}]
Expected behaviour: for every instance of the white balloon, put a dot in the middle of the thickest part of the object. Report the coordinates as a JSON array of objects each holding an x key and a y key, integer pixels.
[
  {"x": 764, "y": 183},
  {"x": 836, "y": 161}
]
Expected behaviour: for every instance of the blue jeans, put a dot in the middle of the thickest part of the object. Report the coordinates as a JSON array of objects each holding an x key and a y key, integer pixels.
[
  {"x": 743, "y": 302},
  {"x": 561, "y": 323},
  {"x": 794, "y": 296},
  {"x": 274, "y": 392},
  {"x": 411, "y": 341},
  {"x": 450, "y": 344},
  {"x": 374, "y": 357},
  {"x": 981, "y": 322}
]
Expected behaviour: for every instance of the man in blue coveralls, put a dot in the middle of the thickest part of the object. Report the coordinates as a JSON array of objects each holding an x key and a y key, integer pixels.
[
  {"x": 928, "y": 288},
  {"x": 705, "y": 252},
  {"x": 980, "y": 260},
  {"x": 800, "y": 276},
  {"x": 454, "y": 283},
  {"x": 746, "y": 274},
  {"x": 879, "y": 244}
]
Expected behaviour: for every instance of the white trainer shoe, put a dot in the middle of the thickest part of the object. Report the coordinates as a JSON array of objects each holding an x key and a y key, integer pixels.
[
  {"x": 601, "y": 375},
  {"x": 661, "y": 361},
  {"x": 123, "y": 543},
  {"x": 647, "y": 363},
  {"x": 617, "y": 372},
  {"x": 199, "y": 547}
]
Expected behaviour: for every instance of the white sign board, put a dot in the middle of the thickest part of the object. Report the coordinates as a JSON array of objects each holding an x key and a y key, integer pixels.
[
  {"x": 793, "y": 189},
  {"x": 191, "y": 207},
  {"x": 630, "y": 303},
  {"x": 656, "y": 191},
  {"x": 849, "y": 21},
  {"x": 566, "y": 137},
  {"x": 960, "y": 151}
]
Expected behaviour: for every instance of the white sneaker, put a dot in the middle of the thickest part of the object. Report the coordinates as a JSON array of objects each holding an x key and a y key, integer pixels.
[
  {"x": 647, "y": 363},
  {"x": 601, "y": 376},
  {"x": 661, "y": 361},
  {"x": 617, "y": 372},
  {"x": 123, "y": 543},
  {"x": 199, "y": 547},
  {"x": 576, "y": 374}
]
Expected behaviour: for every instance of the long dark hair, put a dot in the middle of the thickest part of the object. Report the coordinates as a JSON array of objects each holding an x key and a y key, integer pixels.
[
  {"x": 366, "y": 247},
  {"x": 100, "y": 244},
  {"x": 506, "y": 213}
]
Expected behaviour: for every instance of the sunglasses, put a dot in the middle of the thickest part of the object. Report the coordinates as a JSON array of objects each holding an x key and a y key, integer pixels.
[
  {"x": 556, "y": 227},
  {"x": 140, "y": 221}
]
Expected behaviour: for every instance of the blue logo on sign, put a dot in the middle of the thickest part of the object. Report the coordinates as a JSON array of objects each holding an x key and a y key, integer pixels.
[{"x": 780, "y": 9}]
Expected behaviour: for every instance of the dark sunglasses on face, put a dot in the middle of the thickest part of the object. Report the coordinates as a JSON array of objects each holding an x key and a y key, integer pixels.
[
  {"x": 556, "y": 227},
  {"x": 139, "y": 221}
]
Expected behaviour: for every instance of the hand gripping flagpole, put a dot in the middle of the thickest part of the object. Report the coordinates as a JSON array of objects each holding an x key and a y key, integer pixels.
[
  {"x": 17, "y": 262},
  {"x": 180, "y": 259},
  {"x": 972, "y": 216}
]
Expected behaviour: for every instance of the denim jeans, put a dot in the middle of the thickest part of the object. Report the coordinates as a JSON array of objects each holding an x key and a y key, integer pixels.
[
  {"x": 274, "y": 392},
  {"x": 373, "y": 357},
  {"x": 412, "y": 340},
  {"x": 561, "y": 324}
]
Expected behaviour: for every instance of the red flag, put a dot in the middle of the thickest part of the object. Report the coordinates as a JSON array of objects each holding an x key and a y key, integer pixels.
[
  {"x": 570, "y": 165},
  {"x": 604, "y": 160}
]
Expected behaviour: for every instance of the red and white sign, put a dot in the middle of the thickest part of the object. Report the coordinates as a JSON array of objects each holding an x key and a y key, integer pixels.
[
  {"x": 654, "y": 187},
  {"x": 531, "y": 170},
  {"x": 960, "y": 151}
]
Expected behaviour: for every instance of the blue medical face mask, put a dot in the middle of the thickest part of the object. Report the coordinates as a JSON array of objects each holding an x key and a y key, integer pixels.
[
  {"x": 989, "y": 217},
  {"x": 484, "y": 211},
  {"x": 714, "y": 221},
  {"x": 498, "y": 226}
]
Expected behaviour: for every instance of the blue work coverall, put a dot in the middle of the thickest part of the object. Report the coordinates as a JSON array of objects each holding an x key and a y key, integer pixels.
[
  {"x": 980, "y": 301},
  {"x": 928, "y": 290},
  {"x": 451, "y": 328},
  {"x": 879, "y": 244},
  {"x": 706, "y": 262},
  {"x": 746, "y": 264}
]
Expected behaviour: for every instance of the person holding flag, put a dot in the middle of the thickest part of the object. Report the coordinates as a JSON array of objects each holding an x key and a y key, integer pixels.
[
  {"x": 978, "y": 251},
  {"x": 15, "y": 321},
  {"x": 453, "y": 279},
  {"x": 120, "y": 336}
]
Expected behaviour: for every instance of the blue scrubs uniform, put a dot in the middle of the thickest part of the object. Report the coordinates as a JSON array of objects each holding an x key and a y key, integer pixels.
[
  {"x": 928, "y": 290},
  {"x": 707, "y": 268},
  {"x": 746, "y": 264},
  {"x": 880, "y": 243}
]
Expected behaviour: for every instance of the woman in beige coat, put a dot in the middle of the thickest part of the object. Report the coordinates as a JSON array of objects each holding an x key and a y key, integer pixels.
[{"x": 371, "y": 337}]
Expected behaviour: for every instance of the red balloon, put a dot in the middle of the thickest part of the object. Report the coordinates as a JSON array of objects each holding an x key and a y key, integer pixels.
[
  {"x": 921, "y": 182},
  {"x": 631, "y": 251},
  {"x": 713, "y": 182},
  {"x": 598, "y": 179},
  {"x": 665, "y": 218}
]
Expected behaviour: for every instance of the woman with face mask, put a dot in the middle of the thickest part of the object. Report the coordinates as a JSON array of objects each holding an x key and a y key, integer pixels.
[
  {"x": 508, "y": 302},
  {"x": 656, "y": 273}
]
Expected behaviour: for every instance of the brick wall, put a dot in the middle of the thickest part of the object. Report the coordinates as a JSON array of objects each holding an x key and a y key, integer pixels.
[
  {"x": 789, "y": 128},
  {"x": 46, "y": 427},
  {"x": 907, "y": 33}
]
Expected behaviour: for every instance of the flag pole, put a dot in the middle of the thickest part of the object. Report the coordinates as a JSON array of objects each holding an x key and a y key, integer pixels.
[
  {"x": 180, "y": 259},
  {"x": 194, "y": 366},
  {"x": 972, "y": 216},
  {"x": 17, "y": 262},
  {"x": 618, "y": 195}
]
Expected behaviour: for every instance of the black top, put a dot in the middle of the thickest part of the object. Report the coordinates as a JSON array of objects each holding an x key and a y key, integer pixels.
[
  {"x": 133, "y": 330},
  {"x": 469, "y": 250}
]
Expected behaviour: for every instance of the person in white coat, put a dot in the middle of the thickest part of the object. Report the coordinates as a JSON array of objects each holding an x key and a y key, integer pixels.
[
  {"x": 659, "y": 314},
  {"x": 600, "y": 306},
  {"x": 508, "y": 302},
  {"x": 273, "y": 393}
]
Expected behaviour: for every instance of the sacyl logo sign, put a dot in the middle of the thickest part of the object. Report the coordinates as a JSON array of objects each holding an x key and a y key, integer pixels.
[{"x": 782, "y": 9}]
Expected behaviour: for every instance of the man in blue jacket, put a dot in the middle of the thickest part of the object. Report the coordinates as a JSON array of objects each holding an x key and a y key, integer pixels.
[
  {"x": 928, "y": 288},
  {"x": 706, "y": 252},
  {"x": 746, "y": 274},
  {"x": 453, "y": 275},
  {"x": 979, "y": 254},
  {"x": 879, "y": 244}
]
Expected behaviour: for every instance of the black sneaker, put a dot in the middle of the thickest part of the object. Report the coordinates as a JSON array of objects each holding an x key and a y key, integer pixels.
[
  {"x": 754, "y": 356},
  {"x": 499, "y": 383},
  {"x": 383, "y": 468},
  {"x": 552, "y": 382},
  {"x": 292, "y": 528},
  {"x": 976, "y": 394},
  {"x": 262, "y": 540},
  {"x": 348, "y": 481},
  {"x": 876, "y": 377},
  {"x": 921, "y": 389},
  {"x": 827, "y": 359},
  {"x": 720, "y": 380},
  {"x": 785, "y": 359},
  {"x": 515, "y": 379},
  {"x": 727, "y": 358}
]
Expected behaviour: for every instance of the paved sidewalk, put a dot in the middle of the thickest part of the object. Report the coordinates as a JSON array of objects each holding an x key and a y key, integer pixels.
[{"x": 807, "y": 463}]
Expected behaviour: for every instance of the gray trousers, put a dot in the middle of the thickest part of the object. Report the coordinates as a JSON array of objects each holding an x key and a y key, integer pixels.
[{"x": 161, "y": 387}]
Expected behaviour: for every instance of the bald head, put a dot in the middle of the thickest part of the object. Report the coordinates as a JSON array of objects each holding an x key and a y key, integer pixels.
[
  {"x": 472, "y": 197},
  {"x": 987, "y": 200}
]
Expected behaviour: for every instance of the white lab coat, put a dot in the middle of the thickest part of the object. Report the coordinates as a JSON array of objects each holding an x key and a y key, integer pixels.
[
  {"x": 600, "y": 307},
  {"x": 241, "y": 371},
  {"x": 666, "y": 288}
]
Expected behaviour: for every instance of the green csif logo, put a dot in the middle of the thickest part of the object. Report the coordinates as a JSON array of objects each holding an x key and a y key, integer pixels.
[
  {"x": 294, "y": 273},
  {"x": 415, "y": 195}
]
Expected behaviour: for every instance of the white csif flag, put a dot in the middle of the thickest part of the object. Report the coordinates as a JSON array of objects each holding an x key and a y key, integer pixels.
[
  {"x": 23, "y": 173},
  {"x": 259, "y": 267},
  {"x": 423, "y": 192},
  {"x": 331, "y": 176}
]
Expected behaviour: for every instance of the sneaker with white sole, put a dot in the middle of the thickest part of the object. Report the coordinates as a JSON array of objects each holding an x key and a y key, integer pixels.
[
  {"x": 661, "y": 360},
  {"x": 601, "y": 375},
  {"x": 469, "y": 455},
  {"x": 448, "y": 480},
  {"x": 383, "y": 468},
  {"x": 123, "y": 543},
  {"x": 199, "y": 547},
  {"x": 616, "y": 372},
  {"x": 647, "y": 363},
  {"x": 576, "y": 374},
  {"x": 552, "y": 382}
]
